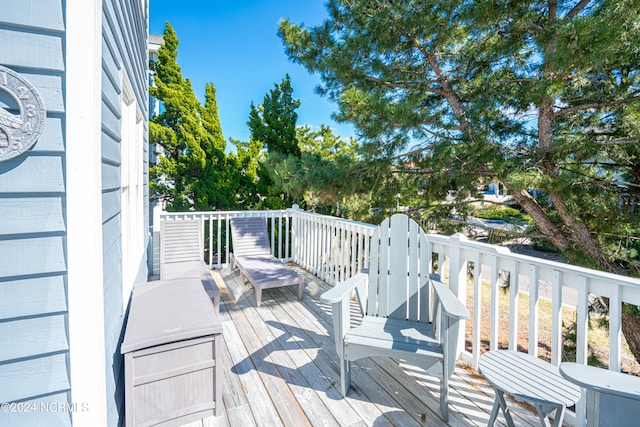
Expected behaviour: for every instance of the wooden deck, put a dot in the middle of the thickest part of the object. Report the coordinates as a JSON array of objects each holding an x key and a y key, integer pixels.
[{"x": 279, "y": 368}]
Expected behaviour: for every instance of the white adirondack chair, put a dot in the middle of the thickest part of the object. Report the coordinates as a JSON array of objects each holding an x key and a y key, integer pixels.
[{"x": 401, "y": 319}]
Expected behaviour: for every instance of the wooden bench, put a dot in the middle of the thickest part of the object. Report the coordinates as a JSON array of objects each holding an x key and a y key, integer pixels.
[{"x": 527, "y": 379}]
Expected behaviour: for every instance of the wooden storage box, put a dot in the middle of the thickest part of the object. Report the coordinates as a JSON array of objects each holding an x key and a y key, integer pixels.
[{"x": 171, "y": 350}]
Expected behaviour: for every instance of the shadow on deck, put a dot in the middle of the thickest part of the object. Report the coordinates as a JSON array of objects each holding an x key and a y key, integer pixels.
[{"x": 279, "y": 368}]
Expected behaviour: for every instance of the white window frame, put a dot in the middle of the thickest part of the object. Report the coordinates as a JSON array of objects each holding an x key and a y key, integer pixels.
[{"x": 132, "y": 189}]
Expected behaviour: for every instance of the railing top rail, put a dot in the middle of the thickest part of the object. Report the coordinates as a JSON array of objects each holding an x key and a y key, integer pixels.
[
  {"x": 465, "y": 244},
  {"x": 336, "y": 219},
  {"x": 270, "y": 212},
  {"x": 503, "y": 252}
]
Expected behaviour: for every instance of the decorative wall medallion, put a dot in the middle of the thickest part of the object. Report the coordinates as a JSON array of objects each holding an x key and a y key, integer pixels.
[{"x": 22, "y": 114}]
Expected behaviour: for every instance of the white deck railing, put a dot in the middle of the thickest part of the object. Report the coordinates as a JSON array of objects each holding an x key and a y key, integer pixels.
[{"x": 335, "y": 249}]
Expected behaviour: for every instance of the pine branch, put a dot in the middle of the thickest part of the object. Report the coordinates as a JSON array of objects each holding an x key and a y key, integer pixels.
[
  {"x": 593, "y": 105},
  {"x": 389, "y": 84},
  {"x": 621, "y": 141},
  {"x": 578, "y": 8}
]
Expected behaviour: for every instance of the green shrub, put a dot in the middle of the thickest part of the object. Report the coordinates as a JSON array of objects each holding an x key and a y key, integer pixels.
[{"x": 500, "y": 213}]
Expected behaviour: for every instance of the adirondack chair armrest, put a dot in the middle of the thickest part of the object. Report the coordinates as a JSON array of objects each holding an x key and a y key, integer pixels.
[
  {"x": 451, "y": 311},
  {"x": 339, "y": 297},
  {"x": 451, "y": 306},
  {"x": 343, "y": 289}
]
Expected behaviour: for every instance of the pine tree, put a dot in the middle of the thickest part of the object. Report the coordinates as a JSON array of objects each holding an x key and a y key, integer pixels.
[
  {"x": 536, "y": 95},
  {"x": 192, "y": 169},
  {"x": 274, "y": 122},
  {"x": 215, "y": 188}
]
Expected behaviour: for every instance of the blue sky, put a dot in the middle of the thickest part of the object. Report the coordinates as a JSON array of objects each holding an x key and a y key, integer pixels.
[{"x": 233, "y": 43}]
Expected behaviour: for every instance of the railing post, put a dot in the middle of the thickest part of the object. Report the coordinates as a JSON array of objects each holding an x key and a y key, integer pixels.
[
  {"x": 582, "y": 321},
  {"x": 458, "y": 278},
  {"x": 295, "y": 232}
]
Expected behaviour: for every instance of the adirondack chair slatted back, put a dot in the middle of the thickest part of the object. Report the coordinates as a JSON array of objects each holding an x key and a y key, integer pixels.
[
  {"x": 250, "y": 236},
  {"x": 399, "y": 271},
  {"x": 181, "y": 240}
]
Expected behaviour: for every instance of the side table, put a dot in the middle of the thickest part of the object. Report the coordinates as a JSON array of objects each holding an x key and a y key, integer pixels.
[
  {"x": 527, "y": 379},
  {"x": 612, "y": 398}
]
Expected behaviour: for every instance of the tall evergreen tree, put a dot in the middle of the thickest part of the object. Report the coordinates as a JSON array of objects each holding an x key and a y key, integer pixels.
[
  {"x": 174, "y": 130},
  {"x": 192, "y": 170},
  {"x": 248, "y": 159},
  {"x": 274, "y": 122},
  {"x": 216, "y": 185}
]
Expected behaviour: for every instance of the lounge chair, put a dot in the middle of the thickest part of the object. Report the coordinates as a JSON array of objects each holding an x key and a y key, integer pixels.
[
  {"x": 252, "y": 256},
  {"x": 181, "y": 252},
  {"x": 400, "y": 318}
]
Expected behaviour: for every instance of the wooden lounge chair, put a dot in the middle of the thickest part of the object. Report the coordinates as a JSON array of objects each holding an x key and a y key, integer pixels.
[
  {"x": 252, "y": 255},
  {"x": 181, "y": 252},
  {"x": 401, "y": 319}
]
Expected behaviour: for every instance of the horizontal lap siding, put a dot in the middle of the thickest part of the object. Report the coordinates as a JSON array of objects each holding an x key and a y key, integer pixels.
[
  {"x": 25, "y": 49},
  {"x": 28, "y": 174},
  {"x": 32, "y": 297},
  {"x": 33, "y": 378},
  {"x": 124, "y": 48},
  {"x": 31, "y": 215},
  {"x": 34, "y": 361},
  {"x": 40, "y": 15}
]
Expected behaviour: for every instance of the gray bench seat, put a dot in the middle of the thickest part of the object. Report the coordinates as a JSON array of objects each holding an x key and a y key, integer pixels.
[{"x": 181, "y": 247}]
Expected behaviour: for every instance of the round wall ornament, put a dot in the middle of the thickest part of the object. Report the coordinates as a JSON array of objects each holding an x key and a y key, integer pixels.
[{"x": 22, "y": 114}]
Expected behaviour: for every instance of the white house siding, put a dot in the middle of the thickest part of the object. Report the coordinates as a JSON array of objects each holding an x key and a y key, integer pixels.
[
  {"x": 34, "y": 348},
  {"x": 36, "y": 293}
]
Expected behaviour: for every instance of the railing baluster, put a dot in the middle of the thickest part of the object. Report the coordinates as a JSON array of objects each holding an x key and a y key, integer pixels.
[
  {"x": 495, "y": 304},
  {"x": 219, "y": 241},
  {"x": 556, "y": 318},
  {"x": 211, "y": 241},
  {"x": 477, "y": 307},
  {"x": 280, "y": 230},
  {"x": 287, "y": 226},
  {"x": 513, "y": 311},
  {"x": 533, "y": 310},
  {"x": 615, "y": 328}
]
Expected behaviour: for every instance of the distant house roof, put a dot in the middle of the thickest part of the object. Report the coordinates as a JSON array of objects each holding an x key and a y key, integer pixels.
[{"x": 155, "y": 42}]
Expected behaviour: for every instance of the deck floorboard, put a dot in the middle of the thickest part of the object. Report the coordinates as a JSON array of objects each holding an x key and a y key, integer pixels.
[{"x": 280, "y": 368}]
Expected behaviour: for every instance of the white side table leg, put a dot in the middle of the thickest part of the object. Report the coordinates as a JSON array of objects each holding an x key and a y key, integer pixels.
[{"x": 502, "y": 404}]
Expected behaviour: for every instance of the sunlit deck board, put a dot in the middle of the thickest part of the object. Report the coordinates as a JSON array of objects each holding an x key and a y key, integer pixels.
[{"x": 280, "y": 368}]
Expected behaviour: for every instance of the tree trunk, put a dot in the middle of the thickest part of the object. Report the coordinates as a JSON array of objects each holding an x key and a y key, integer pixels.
[
  {"x": 631, "y": 332},
  {"x": 581, "y": 235},
  {"x": 547, "y": 227}
]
